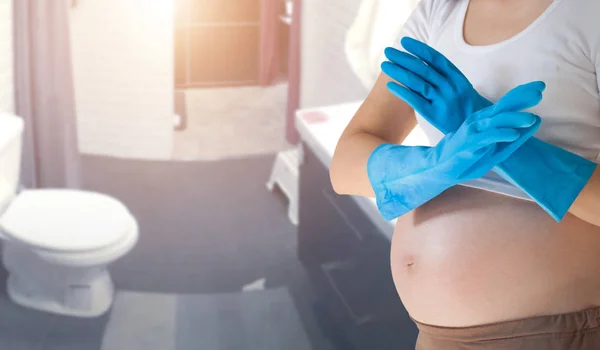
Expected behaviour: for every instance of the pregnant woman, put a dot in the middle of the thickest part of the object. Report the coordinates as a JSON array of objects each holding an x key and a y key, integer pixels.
[{"x": 511, "y": 88}]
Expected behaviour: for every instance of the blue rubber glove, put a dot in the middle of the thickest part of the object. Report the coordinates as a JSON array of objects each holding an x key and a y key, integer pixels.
[
  {"x": 550, "y": 175},
  {"x": 403, "y": 178},
  {"x": 444, "y": 100}
]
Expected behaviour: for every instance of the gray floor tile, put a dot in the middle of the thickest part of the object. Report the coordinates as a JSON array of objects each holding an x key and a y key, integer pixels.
[
  {"x": 265, "y": 320},
  {"x": 70, "y": 333},
  {"x": 141, "y": 321},
  {"x": 17, "y": 322},
  {"x": 14, "y": 342}
]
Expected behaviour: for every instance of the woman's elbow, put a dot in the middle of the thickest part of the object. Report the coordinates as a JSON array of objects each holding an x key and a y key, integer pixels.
[{"x": 335, "y": 176}]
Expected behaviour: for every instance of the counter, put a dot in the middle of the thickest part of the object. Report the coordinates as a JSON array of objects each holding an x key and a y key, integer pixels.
[{"x": 321, "y": 128}]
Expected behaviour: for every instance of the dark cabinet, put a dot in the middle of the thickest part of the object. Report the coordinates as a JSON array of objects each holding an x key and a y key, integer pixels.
[{"x": 347, "y": 259}]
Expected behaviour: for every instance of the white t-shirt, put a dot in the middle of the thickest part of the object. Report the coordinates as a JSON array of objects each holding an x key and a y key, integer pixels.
[
  {"x": 377, "y": 23},
  {"x": 561, "y": 48}
]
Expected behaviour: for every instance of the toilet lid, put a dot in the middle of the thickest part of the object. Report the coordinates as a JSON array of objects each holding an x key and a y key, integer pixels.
[{"x": 66, "y": 220}]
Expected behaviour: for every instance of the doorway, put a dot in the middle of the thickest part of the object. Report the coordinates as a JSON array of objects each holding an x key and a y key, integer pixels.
[{"x": 231, "y": 87}]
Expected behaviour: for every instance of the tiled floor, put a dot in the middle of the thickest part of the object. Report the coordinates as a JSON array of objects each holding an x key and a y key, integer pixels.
[
  {"x": 251, "y": 320},
  {"x": 25, "y": 329},
  {"x": 232, "y": 123},
  {"x": 207, "y": 230},
  {"x": 265, "y": 319}
]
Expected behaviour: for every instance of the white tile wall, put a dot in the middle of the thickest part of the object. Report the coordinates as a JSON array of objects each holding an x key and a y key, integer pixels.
[
  {"x": 6, "y": 57},
  {"x": 124, "y": 77},
  {"x": 326, "y": 76}
]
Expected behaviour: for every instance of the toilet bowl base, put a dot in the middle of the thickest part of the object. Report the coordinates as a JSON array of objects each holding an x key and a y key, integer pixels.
[
  {"x": 98, "y": 307},
  {"x": 71, "y": 291}
]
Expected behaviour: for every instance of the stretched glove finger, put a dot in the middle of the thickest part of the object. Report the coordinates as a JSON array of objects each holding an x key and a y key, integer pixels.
[
  {"x": 468, "y": 164},
  {"x": 416, "y": 101},
  {"x": 523, "y": 98},
  {"x": 532, "y": 85},
  {"x": 526, "y": 134},
  {"x": 492, "y": 136},
  {"x": 417, "y": 66},
  {"x": 515, "y": 120},
  {"x": 434, "y": 59},
  {"x": 520, "y": 98},
  {"x": 409, "y": 79}
]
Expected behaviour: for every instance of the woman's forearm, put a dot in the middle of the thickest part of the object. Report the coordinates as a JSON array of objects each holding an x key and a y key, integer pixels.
[
  {"x": 382, "y": 118},
  {"x": 348, "y": 171},
  {"x": 587, "y": 205}
]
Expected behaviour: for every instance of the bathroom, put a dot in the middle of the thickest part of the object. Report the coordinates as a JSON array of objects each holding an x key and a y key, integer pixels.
[{"x": 174, "y": 152}]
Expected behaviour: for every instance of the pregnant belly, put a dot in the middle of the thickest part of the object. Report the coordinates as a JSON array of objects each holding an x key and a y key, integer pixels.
[{"x": 470, "y": 257}]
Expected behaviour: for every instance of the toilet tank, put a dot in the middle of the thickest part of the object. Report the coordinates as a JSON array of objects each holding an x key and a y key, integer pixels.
[{"x": 11, "y": 134}]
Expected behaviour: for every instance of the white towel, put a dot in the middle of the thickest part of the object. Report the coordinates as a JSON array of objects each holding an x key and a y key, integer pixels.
[{"x": 377, "y": 25}]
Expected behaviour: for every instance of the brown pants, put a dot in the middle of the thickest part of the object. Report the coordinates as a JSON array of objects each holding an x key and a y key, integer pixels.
[{"x": 572, "y": 331}]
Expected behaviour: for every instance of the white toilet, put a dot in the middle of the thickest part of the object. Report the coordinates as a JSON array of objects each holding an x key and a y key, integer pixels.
[{"x": 57, "y": 243}]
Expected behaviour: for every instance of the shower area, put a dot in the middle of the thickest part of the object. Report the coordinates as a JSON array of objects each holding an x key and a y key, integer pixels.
[{"x": 231, "y": 62}]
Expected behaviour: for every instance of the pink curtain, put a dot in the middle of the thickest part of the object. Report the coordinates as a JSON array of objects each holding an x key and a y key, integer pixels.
[
  {"x": 269, "y": 34},
  {"x": 294, "y": 67},
  {"x": 44, "y": 93}
]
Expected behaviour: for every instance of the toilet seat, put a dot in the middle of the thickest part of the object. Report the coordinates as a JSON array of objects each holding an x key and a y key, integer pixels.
[
  {"x": 64, "y": 221},
  {"x": 93, "y": 257}
]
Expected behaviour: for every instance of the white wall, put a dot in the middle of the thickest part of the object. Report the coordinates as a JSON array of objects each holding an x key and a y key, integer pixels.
[
  {"x": 6, "y": 57},
  {"x": 124, "y": 77},
  {"x": 326, "y": 76}
]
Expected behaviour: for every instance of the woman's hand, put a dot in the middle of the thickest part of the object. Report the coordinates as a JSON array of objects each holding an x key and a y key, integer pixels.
[
  {"x": 438, "y": 90},
  {"x": 558, "y": 180},
  {"x": 404, "y": 177}
]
